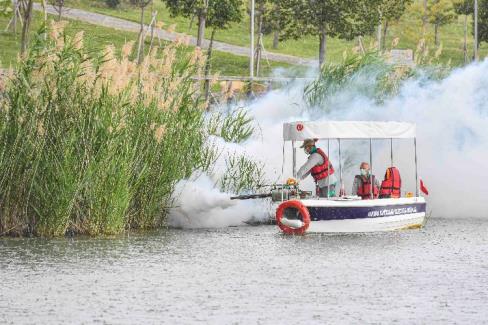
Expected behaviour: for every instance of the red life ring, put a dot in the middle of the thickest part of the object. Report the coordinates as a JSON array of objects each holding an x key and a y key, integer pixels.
[{"x": 303, "y": 211}]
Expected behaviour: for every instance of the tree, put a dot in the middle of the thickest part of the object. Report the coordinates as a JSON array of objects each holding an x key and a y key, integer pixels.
[
  {"x": 344, "y": 19},
  {"x": 58, "y": 6},
  {"x": 142, "y": 4},
  {"x": 190, "y": 9},
  {"x": 220, "y": 15},
  {"x": 267, "y": 23},
  {"x": 389, "y": 11},
  {"x": 26, "y": 13},
  {"x": 482, "y": 21},
  {"x": 270, "y": 15},
  {"x": 440, "y": 13},
  {"x": 464, "y": 7},
  {"x": 10, "y": 9},
  {"x": 207, "y": 11},
  {"x": 5, "y": 8},
  {"x": 425, "y": 17}
]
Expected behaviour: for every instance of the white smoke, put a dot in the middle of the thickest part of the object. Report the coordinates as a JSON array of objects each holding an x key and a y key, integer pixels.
[
  {"x": 201, "y": 205},
  {"x": 452, "y": 137}
]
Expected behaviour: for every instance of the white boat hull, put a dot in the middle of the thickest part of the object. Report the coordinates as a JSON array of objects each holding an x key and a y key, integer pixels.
[
  {"x": 353, "y": 216},
  {"x": 400, "y": 222}
]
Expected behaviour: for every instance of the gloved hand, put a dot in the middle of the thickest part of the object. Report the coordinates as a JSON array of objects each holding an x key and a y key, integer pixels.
[{"x": 291, "y": 181}]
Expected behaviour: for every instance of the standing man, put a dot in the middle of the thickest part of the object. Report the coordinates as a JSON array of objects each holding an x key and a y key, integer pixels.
[
  {"x": 319, "y": 166},
  {"x": 362, "y": 183}
]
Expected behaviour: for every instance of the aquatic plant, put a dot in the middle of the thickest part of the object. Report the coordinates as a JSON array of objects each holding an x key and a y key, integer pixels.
[
  {"x": 234, "y": 126},
  {"x": 371, "y": 76},
  {"x": 94, "y": 144},
  {"x": 242, "y": 174},
  {"x": 333, "y": 77}
]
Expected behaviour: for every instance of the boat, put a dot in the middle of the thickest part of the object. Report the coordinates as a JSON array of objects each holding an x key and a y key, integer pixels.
[{"x": 300, "y": 212}]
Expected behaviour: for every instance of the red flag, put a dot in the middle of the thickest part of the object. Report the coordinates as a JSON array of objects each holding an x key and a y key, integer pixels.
[{"x": 423, "y": 188}]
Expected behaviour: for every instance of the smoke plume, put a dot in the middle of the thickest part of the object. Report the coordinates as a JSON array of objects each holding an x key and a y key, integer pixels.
[{"x": 452, "y": 136}]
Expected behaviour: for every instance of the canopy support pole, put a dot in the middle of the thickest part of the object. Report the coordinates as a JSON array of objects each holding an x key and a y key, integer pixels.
[
  {"x": 294, "y": 159},
  {"x": 340, "y": 169},
  {"x": 283, "y": 160},
  {"x": 391, "y": 151},
  {"x": 328, "y": 167},
  {"x": 416, "y": 169},
  {"x": 371, "y": 167}
]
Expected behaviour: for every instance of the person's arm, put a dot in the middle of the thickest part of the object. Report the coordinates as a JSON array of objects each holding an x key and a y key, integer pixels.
[
  {"x": 355, "y": 186},
  {"x": 313, "y": 160},
  {"x": 377, "y": 184}
]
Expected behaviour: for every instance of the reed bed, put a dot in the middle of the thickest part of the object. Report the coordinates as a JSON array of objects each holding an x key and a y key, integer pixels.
[
  {"x": 94, "y": 144},
  {"x": 243, "y": 174},
  {"x": 233, "y": 126},
  {"x": 371, "y": 76}
]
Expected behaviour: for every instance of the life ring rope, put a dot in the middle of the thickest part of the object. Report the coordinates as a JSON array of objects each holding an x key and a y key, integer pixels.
[{"x": 303, "y": 212}]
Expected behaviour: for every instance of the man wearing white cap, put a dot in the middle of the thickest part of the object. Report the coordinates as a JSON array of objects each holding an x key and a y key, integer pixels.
[{"x": 319, "y": 166}]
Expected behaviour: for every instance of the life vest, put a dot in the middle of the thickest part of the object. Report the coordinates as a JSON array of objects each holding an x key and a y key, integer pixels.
[
  {"x": 322, "y": 171},
  {"x": 391, "y": 185},
  {"x": 364, "y": 190}
]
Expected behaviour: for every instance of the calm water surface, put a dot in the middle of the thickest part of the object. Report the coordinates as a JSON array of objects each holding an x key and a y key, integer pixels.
[{"x": 250, "y": 275}]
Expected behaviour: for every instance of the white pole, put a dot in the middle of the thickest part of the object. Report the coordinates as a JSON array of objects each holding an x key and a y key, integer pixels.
[
  {"x": 391, "y": 151},
  {"x": 416, "y": 169},
  {"x": 328, "y": 167},
  {"x": 476, "y": 30},
  {"x": 251, "y": 61},
  {"x": 340, "y": 170},
  {"x": 371, "y": 168},
  {"x": 294, "y": 159}
]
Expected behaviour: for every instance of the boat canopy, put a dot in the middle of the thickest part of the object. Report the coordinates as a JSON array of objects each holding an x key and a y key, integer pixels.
[{"x": 296, "y": 131}]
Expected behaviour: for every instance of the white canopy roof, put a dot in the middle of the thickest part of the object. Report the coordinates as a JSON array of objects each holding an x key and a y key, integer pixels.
[{"x": 348, "y": 130}]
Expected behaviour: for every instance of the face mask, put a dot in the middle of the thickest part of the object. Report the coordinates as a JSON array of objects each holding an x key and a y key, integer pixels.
[{"x": 364, "y": 172}]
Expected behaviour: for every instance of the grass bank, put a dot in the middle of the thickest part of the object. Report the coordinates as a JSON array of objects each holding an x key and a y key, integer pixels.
[
  {"x": 408, "y": 30},
  {"x": 97, "y": 38}
]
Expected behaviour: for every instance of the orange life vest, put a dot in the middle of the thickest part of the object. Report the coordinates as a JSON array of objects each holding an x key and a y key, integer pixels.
[
  {"x": 364, "y": 190},
  {"x": 391, "y": 185},
  {"x": 322, "y": 171}
]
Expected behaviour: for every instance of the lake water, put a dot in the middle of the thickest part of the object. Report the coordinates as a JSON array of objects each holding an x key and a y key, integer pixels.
[{"x": 250, "y": 275}]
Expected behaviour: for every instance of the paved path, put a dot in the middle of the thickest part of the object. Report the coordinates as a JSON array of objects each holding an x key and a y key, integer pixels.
[{"x": 121, "y": 24}]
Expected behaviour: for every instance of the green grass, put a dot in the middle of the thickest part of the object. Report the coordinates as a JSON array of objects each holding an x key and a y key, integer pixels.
[
  {"x": 237, "y": 34},
  {"x": 97, "y": 37},
  {"x": 408, "y": 30}
]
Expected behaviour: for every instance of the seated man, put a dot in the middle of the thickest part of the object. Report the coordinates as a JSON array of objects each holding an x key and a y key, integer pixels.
[
  {"x": 362, "y": 183},
  {"x": 319, "y": 166}
]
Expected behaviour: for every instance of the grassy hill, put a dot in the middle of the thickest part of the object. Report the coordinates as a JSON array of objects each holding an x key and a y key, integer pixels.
[
  {"x": 97, "y": 38},
  {"x": 408, "y": 30}
]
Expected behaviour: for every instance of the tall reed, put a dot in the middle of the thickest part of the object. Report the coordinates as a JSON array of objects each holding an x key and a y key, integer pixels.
[
  {"x": 242, "y": 174},
  {"x": 233, "y": 126},
  {"x": 370, "y": 75},
  {"x": 95, "y": 144}
]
